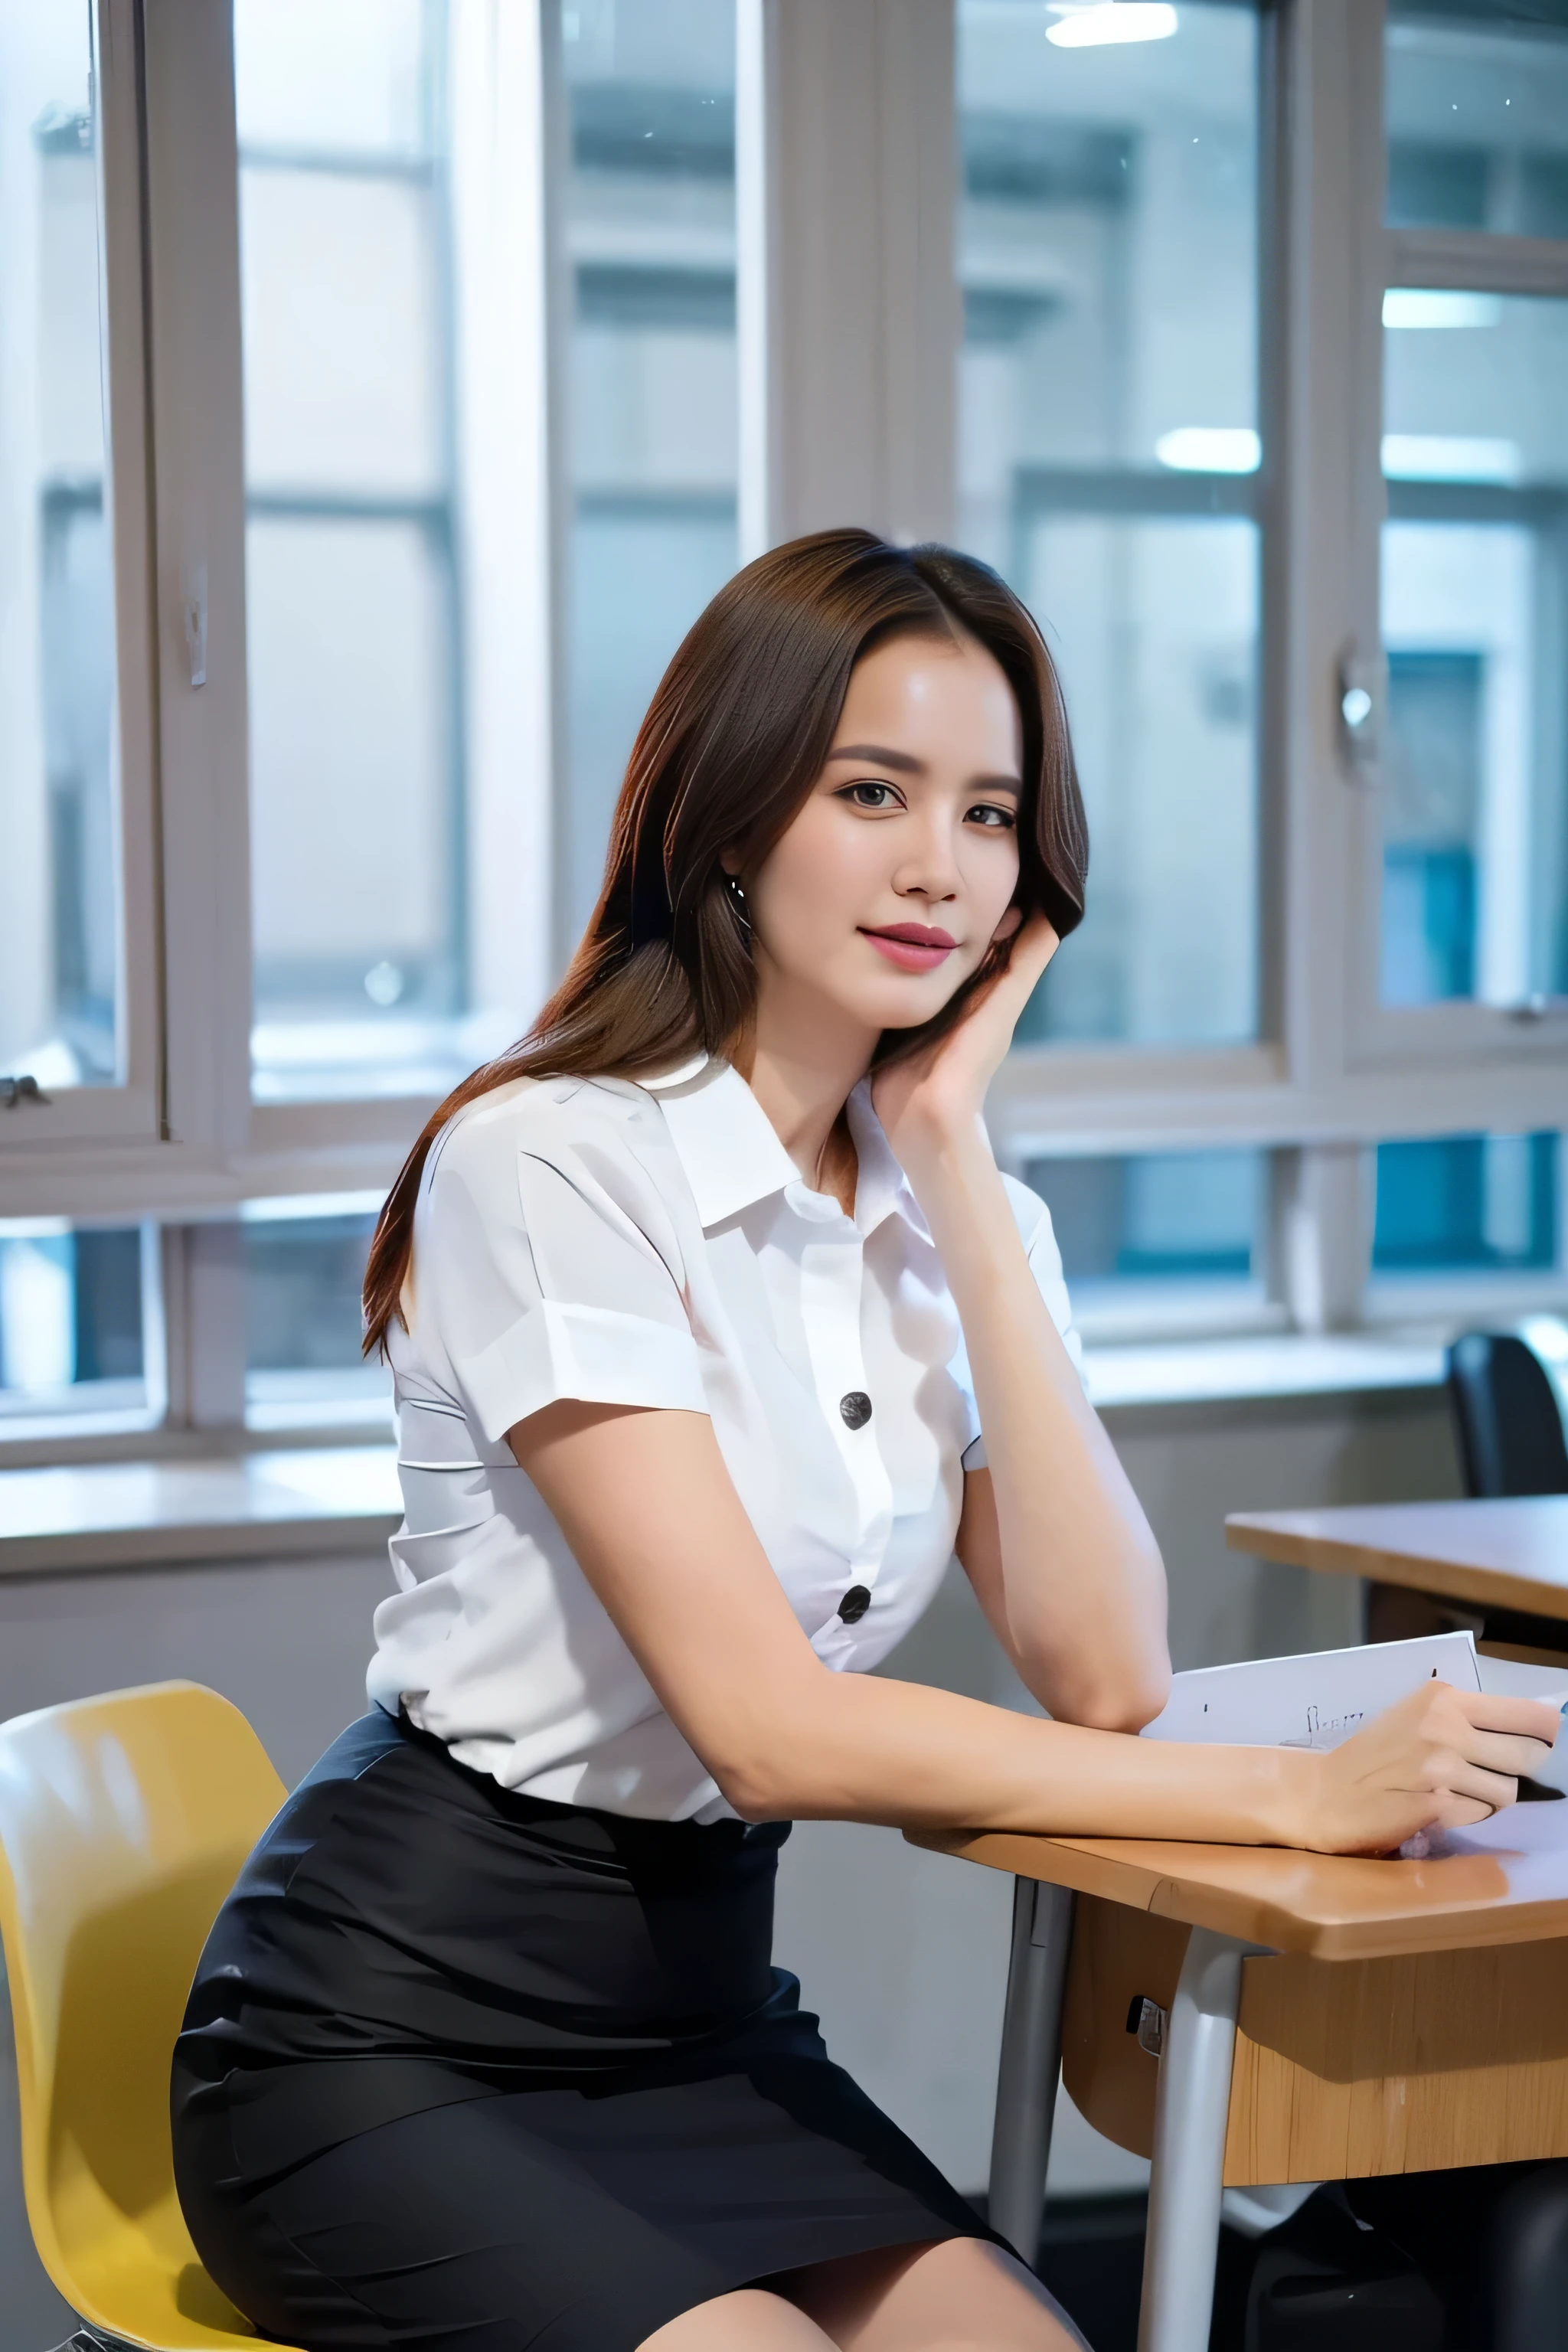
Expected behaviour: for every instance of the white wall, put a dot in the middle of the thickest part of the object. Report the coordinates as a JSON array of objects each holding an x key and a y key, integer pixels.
[{"x": 903, "y": 1953}]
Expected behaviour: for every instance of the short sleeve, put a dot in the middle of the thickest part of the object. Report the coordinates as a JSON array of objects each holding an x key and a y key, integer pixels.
[
  {"x": 545, "y": 1265},
  {"x": 1034, "y": 1220}
]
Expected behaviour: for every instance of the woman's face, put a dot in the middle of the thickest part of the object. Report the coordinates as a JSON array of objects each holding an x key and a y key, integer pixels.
[{"x": 899, "y": 871}]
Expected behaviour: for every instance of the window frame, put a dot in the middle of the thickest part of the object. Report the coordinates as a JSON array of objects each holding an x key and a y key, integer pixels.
[
  {"x": 845, "y": 195},
  {"x": 131, "y": 1110}
]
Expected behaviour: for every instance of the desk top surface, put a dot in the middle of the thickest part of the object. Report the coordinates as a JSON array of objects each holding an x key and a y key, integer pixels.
[
  {"x": 1504, "y": 1882},
  {"x": 1512, "y": 1554}
]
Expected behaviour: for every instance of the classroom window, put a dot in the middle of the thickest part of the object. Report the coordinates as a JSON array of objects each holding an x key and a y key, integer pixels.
[
  {"x": 648, "y": 224},
  {"x": 59, "y": 894},
  {"x": 1182, "y": 1230},
  {"x": 387, "y": 530},
  {"x": 1467, "y": 1204},
  {"x": 303, "y": 1264},
  {"x": 1477, "y": 121},
  {"x": 1108, "y": 466},
  {"x": 71, "y": 1323},
  {"x": 1475, "y": 595}
]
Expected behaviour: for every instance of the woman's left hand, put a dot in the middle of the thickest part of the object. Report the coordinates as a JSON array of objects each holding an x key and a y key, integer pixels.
[{"x": 933, "y": 1098}]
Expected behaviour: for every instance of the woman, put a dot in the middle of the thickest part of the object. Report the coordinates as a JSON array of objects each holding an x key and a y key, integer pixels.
[{"x": 697, "y": 1305}]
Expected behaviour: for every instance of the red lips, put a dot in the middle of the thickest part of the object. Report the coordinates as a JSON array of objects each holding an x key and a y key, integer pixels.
[
  {"x": 912, "y": 947},
  {"x": 919, "y": 935}
]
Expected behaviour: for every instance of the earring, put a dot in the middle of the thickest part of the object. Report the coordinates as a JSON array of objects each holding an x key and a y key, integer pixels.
[{"x": 738, "y": 900}]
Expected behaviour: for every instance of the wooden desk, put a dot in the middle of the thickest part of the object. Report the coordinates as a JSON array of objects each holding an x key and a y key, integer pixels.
[
  {"x": 1500, "y": 1566},
  {"x": 1324, "y": 2018}
]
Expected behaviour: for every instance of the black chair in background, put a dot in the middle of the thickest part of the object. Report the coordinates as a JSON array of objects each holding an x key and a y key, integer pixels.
[{"x": 1506, "y": 1411}]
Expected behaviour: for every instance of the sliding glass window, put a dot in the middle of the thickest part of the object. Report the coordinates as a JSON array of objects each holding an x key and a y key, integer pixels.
[
  {"x": 1475, "y": 552},
  {"x": 1108, "y": 466},
  {"x": 59, "y": 882},
  {"x": 650, "y": 416},
  {"x": 388, "y": 532}
]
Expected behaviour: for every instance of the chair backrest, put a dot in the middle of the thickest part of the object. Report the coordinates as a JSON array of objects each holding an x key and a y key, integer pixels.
[
  {"x": 123, "y": 1824},
  {"x": 1510, "y": 1425}
]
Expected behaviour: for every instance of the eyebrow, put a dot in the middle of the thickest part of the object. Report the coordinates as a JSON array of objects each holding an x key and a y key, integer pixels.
[
  {"x": 904, "y": 760},
  {"x": 906, "y": 763}
]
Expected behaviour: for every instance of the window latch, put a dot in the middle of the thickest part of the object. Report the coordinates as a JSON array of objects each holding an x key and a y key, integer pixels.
[
  {"x": 15, "y": 1091},
  {"x": 1362, "y": 700},
  {"x": 193, "y": 616}
]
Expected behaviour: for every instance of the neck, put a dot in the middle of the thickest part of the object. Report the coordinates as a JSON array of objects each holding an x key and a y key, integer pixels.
[{"x": 805, "y": 1062}]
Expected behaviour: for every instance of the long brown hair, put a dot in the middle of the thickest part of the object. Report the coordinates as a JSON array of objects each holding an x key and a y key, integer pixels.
[{"x": 733, "y": 740}]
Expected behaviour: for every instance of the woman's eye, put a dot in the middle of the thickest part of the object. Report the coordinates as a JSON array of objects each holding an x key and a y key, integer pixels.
[
  {"x": 869, "y": 795},
  {"x": 987, "y": 813}
]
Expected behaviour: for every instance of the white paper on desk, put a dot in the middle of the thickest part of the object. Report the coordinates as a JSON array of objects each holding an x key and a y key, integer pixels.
[{"x": 1313, "y": 1701}]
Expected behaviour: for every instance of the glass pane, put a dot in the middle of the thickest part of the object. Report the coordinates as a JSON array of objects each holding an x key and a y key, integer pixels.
[
  {"x": 1155, "y": 625},
  {"x": 1463, "y": 1203},
  {"x": 1164, "y": 1216},
  {"x": 1475, "y": 776},
  {"x": 58, "y": 885},
  {"x": 304, "y": 1269},
  {"x": 70, "y": 1321},
  {"x": 1477, "y": 121},
  {"x": 1108, "y": 454},
  {"x": 649, "y": 223},
  {"x": 367, "y": 230}
]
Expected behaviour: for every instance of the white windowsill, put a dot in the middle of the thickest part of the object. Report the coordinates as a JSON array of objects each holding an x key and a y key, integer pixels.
[
  {"x": 258, "y": 1505},
  {"x": 1269, "y": 1364}
]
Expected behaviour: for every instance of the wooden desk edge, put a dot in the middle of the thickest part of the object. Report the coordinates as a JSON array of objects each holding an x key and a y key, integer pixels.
[
  {"x": 1451, "y": 1579},
  {"x": 1087, "y": 1869}
]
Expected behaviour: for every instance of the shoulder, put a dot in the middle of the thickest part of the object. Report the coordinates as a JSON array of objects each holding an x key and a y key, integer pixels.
[
  {"x": 565, "y": 1122},
  {"x": 548, "y": 1156}
]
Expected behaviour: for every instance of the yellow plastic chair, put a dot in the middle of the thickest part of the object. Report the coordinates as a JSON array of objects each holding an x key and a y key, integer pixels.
[{"x": 123, "y": 1824}]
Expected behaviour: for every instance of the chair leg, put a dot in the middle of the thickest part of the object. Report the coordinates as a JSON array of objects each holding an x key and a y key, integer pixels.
[
  {"x": 1031, "y": 2061},
  {"x": 1192, "y": 2107}
]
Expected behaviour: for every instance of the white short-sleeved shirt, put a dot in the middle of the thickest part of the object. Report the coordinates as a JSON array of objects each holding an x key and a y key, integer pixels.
[{"x": 654, "y": 1245}]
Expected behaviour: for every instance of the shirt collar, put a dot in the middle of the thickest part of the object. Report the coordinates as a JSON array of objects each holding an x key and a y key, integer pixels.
[
  {"x": 731, "y": 1152},
  {"x": 881, "y": 1189},
  {"x": 724, "y": 1138}
]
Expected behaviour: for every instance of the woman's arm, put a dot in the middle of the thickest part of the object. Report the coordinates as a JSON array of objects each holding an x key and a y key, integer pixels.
[
  {"x": 1053, "y": 1539},
  {"x": 1052, "y": 1536},
  {"x": 648, "y": 1507}
]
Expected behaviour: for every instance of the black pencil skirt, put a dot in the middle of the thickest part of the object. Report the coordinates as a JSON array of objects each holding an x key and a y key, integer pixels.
[{"x": 461, "y": 2068}]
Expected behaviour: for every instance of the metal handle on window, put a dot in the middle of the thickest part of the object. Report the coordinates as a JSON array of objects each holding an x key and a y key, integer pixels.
[
  {"x": 15, "y": 1091},
  {"x": 194, "y": 620},
  {"x": 1362, "y": 704}
]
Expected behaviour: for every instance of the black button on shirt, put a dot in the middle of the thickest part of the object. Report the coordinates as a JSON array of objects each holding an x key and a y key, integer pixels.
[
  {"x": 856, "y": 1601},
  {"x": 855, "y": 1408}
]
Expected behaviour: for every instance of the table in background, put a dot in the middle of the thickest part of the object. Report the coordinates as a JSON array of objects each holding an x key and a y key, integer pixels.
[
  {"x": 1499, "y": 1568},
  {"x": 1324, "y": 2018}
]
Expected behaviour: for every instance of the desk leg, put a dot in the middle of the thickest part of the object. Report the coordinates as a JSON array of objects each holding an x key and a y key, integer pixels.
[
  {"x": 1031, "y": 2061},
  {"x": 1192, "y": 2106}
]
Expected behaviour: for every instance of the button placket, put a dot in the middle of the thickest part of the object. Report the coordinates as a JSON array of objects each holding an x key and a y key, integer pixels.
[{"x": 832, "y": 1274}]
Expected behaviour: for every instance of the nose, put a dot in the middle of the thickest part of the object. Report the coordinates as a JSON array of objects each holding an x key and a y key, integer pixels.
[{"x": 929, "y": 867}]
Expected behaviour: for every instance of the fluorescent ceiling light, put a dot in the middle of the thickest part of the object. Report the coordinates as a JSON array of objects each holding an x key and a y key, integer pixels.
[
  {"x": 1210, "y": 449},
  {"x": 1425, "y": 306},
  {"x": 1113, "y": 20},
  {"x": 1449, "y": 457}
]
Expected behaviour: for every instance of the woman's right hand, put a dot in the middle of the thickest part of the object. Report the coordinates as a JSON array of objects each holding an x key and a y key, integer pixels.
[{"x": 1442, "y": 1758}]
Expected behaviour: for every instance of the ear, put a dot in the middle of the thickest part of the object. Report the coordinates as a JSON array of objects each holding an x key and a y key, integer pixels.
[{"x": 1010, "y": 924}]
